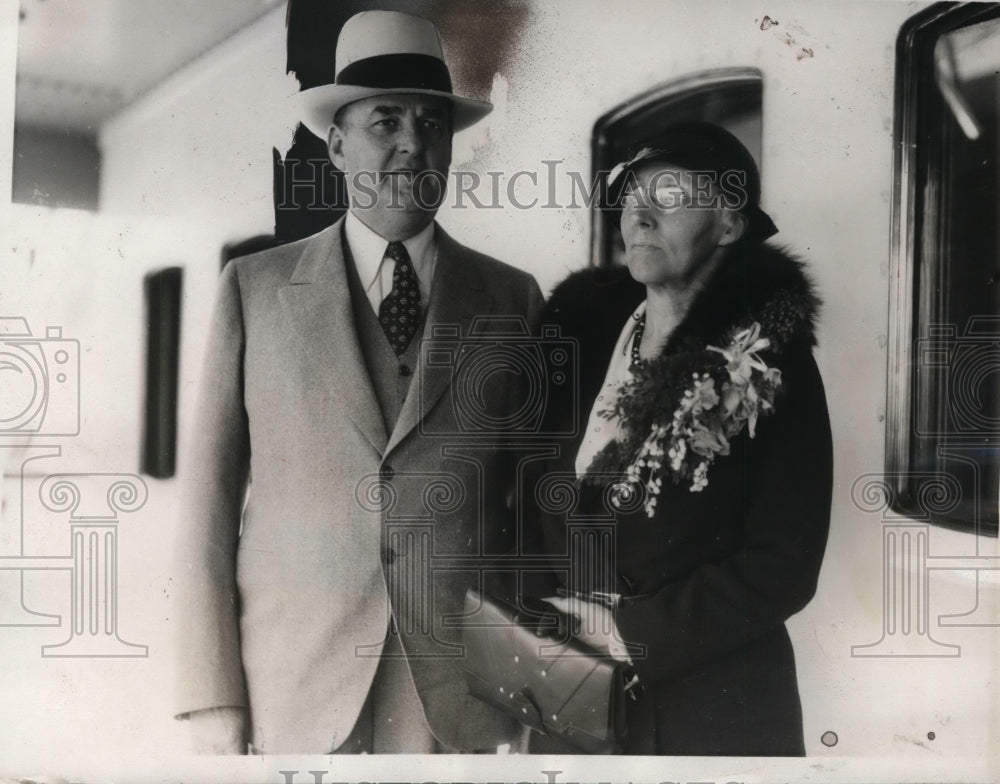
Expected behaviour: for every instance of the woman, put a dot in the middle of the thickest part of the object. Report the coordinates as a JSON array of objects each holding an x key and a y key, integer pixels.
[{"x": 703, "y": 430}]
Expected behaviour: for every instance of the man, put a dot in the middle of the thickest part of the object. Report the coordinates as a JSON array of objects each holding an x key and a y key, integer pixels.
[{"x": 314, "y": 621}]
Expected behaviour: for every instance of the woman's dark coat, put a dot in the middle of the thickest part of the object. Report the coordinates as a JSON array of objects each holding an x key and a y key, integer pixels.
[{"x": 714, "y": 574}]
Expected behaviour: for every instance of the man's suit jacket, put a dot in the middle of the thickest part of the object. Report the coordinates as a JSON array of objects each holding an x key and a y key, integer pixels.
[{"x": 285, "y": 589}]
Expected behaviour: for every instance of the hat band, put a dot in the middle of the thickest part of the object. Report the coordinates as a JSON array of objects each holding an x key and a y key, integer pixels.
[{"x": 397, "y": 72}]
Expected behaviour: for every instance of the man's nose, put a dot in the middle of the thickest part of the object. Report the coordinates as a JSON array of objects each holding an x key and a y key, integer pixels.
[{"x": 409, "y": 139}]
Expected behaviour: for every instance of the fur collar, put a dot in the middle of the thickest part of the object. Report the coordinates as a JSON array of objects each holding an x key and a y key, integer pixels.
[{"x": 757, "y": 283}]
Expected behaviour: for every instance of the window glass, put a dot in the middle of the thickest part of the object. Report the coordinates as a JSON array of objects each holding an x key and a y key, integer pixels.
[{"x": 947, "y": 358}]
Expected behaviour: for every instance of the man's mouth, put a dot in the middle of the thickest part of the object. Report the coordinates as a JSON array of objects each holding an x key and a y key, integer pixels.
[{"x": 399, "y": 175}]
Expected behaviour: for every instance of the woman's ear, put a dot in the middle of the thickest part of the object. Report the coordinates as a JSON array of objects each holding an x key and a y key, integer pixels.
[{"x": 734, "y": 226}]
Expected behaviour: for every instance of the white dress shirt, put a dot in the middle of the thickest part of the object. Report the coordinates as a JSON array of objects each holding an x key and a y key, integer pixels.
[
  {"x": 600, "y": 431},
  {"x": 375, "y": 270}
]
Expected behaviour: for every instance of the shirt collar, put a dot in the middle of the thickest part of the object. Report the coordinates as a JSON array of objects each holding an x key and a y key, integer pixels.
[{"x": 368, "y": 249}]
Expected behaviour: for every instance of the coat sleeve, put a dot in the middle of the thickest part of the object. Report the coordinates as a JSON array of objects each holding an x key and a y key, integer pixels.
[
  {"x": 209, "y": 668},
  {"x": 504, "y": 584},
  {"x": 720, "y": 607}
]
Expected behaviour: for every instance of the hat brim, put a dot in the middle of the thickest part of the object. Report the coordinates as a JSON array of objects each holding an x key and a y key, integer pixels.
[{"x": 317, "y": 106}]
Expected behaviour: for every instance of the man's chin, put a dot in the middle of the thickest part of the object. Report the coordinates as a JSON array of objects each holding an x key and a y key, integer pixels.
[
  {"x": 398, "y": 222},
  {"x": 415, "y": 204}
]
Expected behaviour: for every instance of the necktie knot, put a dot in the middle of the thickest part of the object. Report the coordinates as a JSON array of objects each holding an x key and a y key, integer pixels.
[{"x": 396, "y": 251}]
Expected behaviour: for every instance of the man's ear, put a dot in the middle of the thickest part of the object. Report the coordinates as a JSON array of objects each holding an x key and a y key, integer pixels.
[
  {"x": 734, "y": 226},
  {"x": 335, "y": 146}
]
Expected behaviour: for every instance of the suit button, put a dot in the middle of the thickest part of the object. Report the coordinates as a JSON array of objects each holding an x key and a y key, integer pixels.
[
  {"x": 404, "y": 370},
  {"x": 386, "y": 472}
]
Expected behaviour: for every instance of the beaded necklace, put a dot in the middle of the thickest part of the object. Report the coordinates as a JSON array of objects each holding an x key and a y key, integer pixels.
[{"x": 640, "y": 327}]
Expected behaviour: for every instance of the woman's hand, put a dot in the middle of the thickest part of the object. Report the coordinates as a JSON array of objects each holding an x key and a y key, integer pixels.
[{"x": 593, "y": 624}]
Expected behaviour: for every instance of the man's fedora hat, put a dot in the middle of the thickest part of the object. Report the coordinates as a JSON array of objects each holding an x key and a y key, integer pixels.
[{"x": 386, "y": 53}]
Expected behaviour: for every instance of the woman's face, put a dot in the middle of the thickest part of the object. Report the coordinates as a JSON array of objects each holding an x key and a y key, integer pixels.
[{"x": 673, "y": 224}]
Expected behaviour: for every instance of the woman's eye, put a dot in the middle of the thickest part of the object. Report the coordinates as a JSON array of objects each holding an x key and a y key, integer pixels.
[
  {"x": 670, "y": 197},
  {"x": 630, "y": 200}
]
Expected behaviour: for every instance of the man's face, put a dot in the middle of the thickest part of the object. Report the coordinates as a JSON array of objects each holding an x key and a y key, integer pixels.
[
  {"x": 673, "y": 225},
  {"x": 395, "y": 151}
]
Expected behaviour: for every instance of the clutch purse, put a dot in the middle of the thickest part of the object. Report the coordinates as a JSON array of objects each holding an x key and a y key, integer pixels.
[{"x": 517, "y": 662}]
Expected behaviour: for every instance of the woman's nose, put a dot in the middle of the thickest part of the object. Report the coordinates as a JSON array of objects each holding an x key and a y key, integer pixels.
[{"x": 639, "y": 215}]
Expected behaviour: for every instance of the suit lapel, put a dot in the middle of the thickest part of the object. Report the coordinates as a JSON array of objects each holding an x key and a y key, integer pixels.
[
  {"x": 458, "y": 295},
  {"x": 317, "y": 302}
]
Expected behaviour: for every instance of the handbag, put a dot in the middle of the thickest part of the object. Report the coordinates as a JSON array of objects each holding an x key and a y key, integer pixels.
[{"x": 518, "y": 662}]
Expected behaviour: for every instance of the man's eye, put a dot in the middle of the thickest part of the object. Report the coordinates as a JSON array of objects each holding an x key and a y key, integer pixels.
[
  {"x": 387, "y": 122},
  {"x": 434, "y": 125}
]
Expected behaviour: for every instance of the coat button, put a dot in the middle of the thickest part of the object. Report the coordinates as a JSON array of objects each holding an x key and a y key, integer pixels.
[
  {"x": 386, "y": 472},
  {"x": 405, "y": 370}
]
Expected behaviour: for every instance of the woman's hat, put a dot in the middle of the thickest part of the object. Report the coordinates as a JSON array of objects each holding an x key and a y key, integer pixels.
[
  {"x": 705, "y": 147},
  {"x": 385, "y": 53}
]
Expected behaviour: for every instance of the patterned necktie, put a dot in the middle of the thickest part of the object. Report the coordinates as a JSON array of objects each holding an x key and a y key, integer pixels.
[{"x": 399, "y": 313}]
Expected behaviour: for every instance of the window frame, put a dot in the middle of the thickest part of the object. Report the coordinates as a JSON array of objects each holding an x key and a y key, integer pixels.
[{"x": 914, "y": 220}]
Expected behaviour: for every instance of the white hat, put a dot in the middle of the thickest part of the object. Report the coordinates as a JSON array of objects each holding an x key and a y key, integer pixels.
[{"x": 385, "y": 53}]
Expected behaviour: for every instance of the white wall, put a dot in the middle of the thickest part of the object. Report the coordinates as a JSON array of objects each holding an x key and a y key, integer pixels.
[
  {"x": 197, "y": 152},
  {"x": 188, "y": 168},
  {"x": 83, "y": 272}
]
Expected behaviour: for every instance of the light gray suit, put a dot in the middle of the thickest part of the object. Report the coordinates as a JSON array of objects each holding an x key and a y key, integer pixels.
[{"x": 287, "y": 615}]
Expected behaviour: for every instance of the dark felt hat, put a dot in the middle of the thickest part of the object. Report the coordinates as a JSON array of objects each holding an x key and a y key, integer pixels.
[{"x": 705, "y": 147}]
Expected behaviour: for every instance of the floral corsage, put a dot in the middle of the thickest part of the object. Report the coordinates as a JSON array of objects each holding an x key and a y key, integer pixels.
[{"x": 723, "y": 399}]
